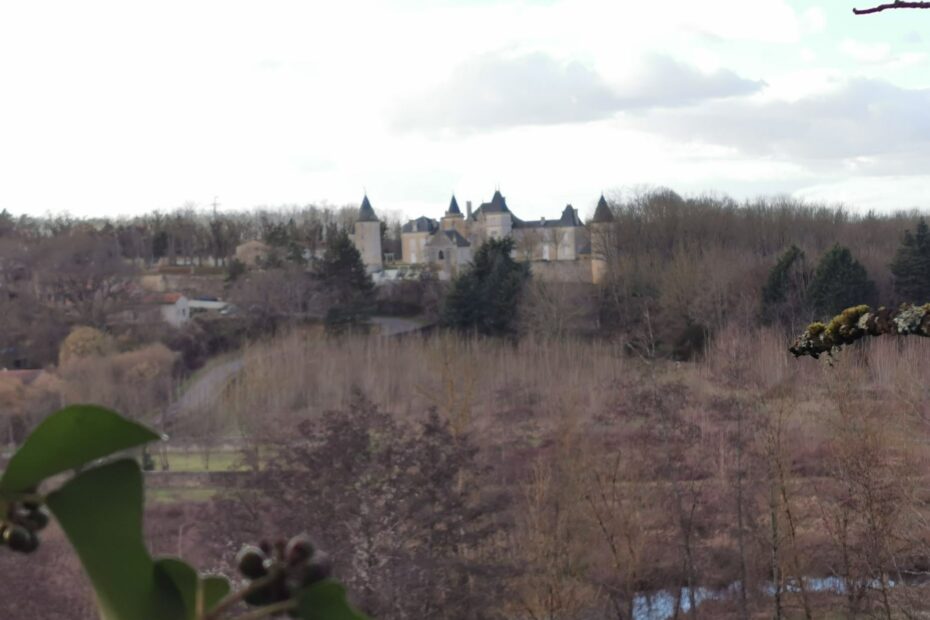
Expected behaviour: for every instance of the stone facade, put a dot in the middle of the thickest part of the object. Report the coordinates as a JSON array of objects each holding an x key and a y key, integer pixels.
[
  {"x": 424, "y": 239},
  {"x": 447, "y": 245}
]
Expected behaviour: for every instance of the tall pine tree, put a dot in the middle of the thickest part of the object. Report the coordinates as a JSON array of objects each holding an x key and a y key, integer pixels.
[
  {"x": 911, "y": 265},
  {"x": 784, "y": 293},
  {"x": 839, "y": 282},
  {"x": 345, "y": 279},
  {"x": 485, "y": 296}
]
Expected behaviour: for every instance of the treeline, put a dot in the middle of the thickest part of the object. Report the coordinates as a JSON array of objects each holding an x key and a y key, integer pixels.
[
  {"x": 58, "y": 272},
  {"x": 191, "y": 235},
  {"x": 683, "y": 268},
  {"x": 678, "y": 269}
]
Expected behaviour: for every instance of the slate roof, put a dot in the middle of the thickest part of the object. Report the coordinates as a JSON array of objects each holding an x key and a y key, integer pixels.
[
  {"x": 421, "y": 224},
  {"x": 456, "y": 238},
  {"x": 602, "y": 214},
  {"x": 569, "y": 219},
  {"x": 365, "y": 212},
  {"x": 454, "y": 208},
  {"x": 498, "y": 204}
]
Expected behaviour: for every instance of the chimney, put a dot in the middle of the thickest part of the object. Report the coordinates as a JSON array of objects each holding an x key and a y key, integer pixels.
[
  {"x": 542, "y": 221},
  {"x": 468, "y": 208}
]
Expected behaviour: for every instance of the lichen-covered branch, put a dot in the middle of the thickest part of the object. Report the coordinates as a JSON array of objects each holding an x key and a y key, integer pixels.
[
  {"x": 898, "y": 4},
  {"x": 859, "y": 321}
]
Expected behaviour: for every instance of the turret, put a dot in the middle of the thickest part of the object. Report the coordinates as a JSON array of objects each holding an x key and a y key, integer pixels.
[
  {"x": 367, "y": 236},
  {"x": 498, "y": 220},
  {"x": 602, "y": 214},
  {"x": 453, "y": 219},
  {"x": 601, "y": 238}
]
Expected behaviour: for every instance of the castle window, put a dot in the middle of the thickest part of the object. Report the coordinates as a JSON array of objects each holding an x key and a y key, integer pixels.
[{"x": 441, "y": 255}]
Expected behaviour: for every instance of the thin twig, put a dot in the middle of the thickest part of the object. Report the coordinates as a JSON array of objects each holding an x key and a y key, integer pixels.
[{"x": 898, "y": 4}]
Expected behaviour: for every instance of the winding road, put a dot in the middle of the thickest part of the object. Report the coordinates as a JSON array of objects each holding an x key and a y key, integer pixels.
[{"x": 208, "y": 386}]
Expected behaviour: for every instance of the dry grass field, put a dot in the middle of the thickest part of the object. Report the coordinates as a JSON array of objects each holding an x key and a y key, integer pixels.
[{"x": 625, "y": 474}]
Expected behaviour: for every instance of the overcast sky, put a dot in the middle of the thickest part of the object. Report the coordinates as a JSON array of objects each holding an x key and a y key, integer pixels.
[{"x": 120, "y": 107}]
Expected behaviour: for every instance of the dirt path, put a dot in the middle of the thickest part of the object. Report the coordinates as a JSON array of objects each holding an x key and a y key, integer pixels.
[{"x": 205, "y": 389}]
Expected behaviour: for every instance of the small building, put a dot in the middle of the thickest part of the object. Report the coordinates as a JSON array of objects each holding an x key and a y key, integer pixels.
[{"x": 171, "y": 308}]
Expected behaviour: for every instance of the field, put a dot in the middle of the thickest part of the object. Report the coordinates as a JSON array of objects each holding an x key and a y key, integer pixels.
[{"x": 623, "y": 474}]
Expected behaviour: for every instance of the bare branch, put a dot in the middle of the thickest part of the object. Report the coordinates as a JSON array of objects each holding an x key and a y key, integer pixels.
[{"x": 898, "y": 4}]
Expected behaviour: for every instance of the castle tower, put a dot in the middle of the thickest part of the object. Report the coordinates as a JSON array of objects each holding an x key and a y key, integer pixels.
[
  {"x": 497, "y": 218},
  {"x": 601, "y": 228},
  {"x": 367, "y": 237},
  {"x": 453, "y": 219}
]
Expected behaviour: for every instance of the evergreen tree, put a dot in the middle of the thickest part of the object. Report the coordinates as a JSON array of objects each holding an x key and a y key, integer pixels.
[
  {"x": 345, "y": 279},
  {"x": 839, "y": 282},
  {"x": 486, "y": 294},
  {"x": 783, "y": 295},
  {"x": 911, "y": 265}
]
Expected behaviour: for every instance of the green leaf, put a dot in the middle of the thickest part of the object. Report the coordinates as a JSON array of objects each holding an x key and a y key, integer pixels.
[
  {"x": 70, "y": 438},
  {"x": 215, "y": 589},
  {"x": 326, "y": 600},
  {"x": 185, "y": 579},
  {"x": 100, "y": 511}
]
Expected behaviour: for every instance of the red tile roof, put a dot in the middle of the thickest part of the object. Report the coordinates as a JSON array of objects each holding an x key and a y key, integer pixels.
[{"x": 162, "y": 299}]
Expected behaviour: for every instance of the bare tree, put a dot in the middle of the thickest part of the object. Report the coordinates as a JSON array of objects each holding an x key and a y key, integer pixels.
[
  {"x": 83, "y": 274},
  {"x": 403, "y": 504}
]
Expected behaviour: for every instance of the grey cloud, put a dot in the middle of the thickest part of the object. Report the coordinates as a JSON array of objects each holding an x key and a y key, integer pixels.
[
  {"x": 665, "y": 82},
  {"x": 863, "y": 118},
  {"x": 494, "y": 91}
]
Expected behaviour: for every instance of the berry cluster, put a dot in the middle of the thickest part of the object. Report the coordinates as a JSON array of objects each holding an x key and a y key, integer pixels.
[
  {"x": 279, "y": 571},
  {"x": 19, "y": 527}
]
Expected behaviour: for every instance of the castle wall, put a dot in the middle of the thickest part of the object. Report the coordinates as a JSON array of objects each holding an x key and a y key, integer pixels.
[
  {"x": 497, "y": 225},
  {"x": 413, "y": 247},
  {"x": 454, "y": 222},
  {"x": 367, "y": 239},
  {"x": 578, "y": 270}
]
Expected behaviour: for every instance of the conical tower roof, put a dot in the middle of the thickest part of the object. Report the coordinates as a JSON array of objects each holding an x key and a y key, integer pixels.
[
  {"x": 454, "y": 207},
  {"x": 365, "y": 212},
  {"x": 497, "y": 204},
  {"x": 602, "y": 214}
]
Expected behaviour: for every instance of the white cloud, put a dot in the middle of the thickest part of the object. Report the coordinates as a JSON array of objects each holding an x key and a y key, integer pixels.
[
  {"x": 113, "y": 106},
  {"x": 859, "y": 118},
  {"x": 504, "y": 90},
  {"x": 813, "y": 20},
  {"x": 866, "y": 52},
  {"x": 879, "y": 193}
]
